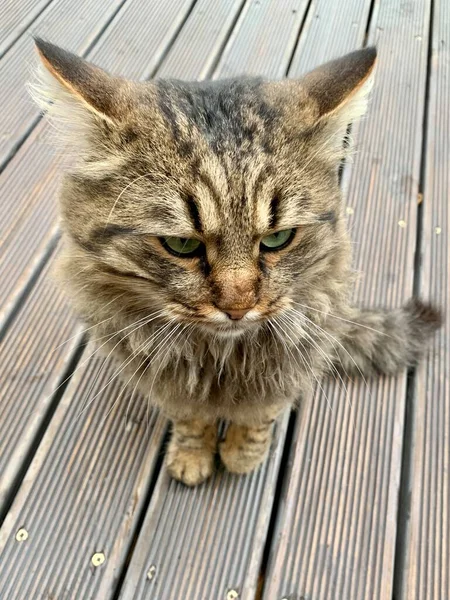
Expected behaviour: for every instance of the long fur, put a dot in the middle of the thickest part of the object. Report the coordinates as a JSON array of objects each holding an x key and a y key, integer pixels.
[{"x": 224, "y": 162}]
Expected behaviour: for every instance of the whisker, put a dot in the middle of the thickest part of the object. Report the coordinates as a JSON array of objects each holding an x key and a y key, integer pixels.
[
  {"x": 124, "y": 364},
  {"x": 329, "y": 362},
  {"x": 147, "y": 343},
  {"x": 121, "y": 194},
  {"x": 92, "y": 326},
  {"x": 169, "y": 347},
  {"x": 341, "y": 345},
  {"x": 140, "y": 323},
  {"x": 329, "y": 314},
  {"x": 304, "y": 360}
]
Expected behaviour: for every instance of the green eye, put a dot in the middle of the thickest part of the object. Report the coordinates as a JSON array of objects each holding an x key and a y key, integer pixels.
[
  {"x": 278, "y": 240},
  {"x": 181, "y": 246}
]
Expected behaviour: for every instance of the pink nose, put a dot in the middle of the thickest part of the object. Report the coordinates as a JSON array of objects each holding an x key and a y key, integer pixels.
[{"x": 236, "y": 313}]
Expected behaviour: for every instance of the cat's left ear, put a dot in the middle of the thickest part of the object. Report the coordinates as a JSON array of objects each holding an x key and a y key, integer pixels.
[
  {"x": 329, "y": 98},
  {"x": 339, "y": 90}
]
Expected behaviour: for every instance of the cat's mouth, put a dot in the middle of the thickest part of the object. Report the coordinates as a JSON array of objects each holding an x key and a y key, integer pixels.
[{"x": 219, "y": 323}]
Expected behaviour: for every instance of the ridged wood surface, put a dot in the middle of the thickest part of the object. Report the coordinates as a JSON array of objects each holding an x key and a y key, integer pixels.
[
  {"x": 32, "y": 363},
  {"x": 15, "y": 17},
  {"x": 336, "y": 533},
  {"x": 426, "y": 544}
]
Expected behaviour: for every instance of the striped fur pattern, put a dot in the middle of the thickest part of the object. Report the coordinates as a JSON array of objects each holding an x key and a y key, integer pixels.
[{"x": 224, "y": 163}]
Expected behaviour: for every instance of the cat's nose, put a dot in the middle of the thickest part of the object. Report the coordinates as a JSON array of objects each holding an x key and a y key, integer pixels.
[{"x": 236, "y": 313}]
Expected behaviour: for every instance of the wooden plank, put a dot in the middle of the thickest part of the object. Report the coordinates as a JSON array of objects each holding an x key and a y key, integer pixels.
[
  {"x": 15, "y": 18},
  {"x": 81, "y": 495},
  {"x": 210, "y": 29},
  {"x": 425, "y": 546},
  {"x": 214, "y": 547},
  {"x": 76, "y": 26},
  {"x": 85, "y": 488},
  {"x": 263, "y": 39},
  {"x": 32, "y": 363},
  {"x": 205, "y": 542},
  {"x": 28, "y": 184},
  {"x": 336, "y": 531}
]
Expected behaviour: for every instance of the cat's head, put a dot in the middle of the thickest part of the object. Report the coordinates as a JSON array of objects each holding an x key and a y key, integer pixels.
[{"x": 215, "y": 202}]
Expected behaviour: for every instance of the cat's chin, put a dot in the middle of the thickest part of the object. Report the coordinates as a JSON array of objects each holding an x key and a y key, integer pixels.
[{"x": 228, "y": 332}]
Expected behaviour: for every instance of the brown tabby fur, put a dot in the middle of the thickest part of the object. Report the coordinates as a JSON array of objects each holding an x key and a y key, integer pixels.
[{"x": 227, "y": 163}]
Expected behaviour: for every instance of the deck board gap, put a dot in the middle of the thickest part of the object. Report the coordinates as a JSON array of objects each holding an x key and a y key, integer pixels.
[
  {"x": 170, "y": 44},
  {"x": 58, "y": 393},
  {"x": 281, "y": 482},
  {"x": 24, "y": 30},
  {"x": 235, "y": 20},
  {"x": 309, "y": 8},
  {"x": 409, "y": 418},
  {"x": 27, "y": 290},
  {"x": 142, "y": 513}
]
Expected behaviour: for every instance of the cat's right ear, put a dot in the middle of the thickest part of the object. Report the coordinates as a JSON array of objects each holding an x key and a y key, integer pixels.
[{"x": 81, "y": 99}]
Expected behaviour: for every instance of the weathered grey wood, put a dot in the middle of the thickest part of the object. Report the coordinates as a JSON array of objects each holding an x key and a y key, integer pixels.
[
  {"x": 263, "y": 40},
  {"x": 15, "y": 17},
  {"x": 209, "y": 25},
  {"x": 214, "y": 547},
  {"x": 425, "y": 547},
  {"x": 32, "y": 363},
  {"x": 205, "y": 542},
  {"x": 81, "y": 495},
  {"x": 336, "y": 530}
]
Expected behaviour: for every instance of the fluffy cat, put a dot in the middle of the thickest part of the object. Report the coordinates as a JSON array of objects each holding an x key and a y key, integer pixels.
[{"x": 206, "y": 246}]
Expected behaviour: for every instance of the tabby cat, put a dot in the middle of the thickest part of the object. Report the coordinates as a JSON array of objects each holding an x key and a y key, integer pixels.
[{"x": 205, "y": 244}]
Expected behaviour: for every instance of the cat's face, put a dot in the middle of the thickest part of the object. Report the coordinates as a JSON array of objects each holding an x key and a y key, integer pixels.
[{"x": 216, "y": 203}]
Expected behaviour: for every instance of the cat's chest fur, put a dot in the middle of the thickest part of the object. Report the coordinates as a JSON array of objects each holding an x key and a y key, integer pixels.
[{"x": 221, "y": 376}]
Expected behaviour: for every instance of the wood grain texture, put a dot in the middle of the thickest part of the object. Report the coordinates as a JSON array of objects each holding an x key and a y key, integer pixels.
[
  {"x": 336, "y": 532},
  {"x": 15, "y": 18},
  {"x": 263, "y": 39},
  {"x": 32, "y": 364},
  {"x": 207, "y": 541},
  {"x": 426, "y": 546},
  {"x": 82, "y": 493}
]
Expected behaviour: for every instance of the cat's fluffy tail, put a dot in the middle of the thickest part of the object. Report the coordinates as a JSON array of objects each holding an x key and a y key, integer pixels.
[{"x": 386, "y": 341}]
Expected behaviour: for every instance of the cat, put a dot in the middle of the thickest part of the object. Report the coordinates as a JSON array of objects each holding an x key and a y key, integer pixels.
[{"x": 205, "y": 244}]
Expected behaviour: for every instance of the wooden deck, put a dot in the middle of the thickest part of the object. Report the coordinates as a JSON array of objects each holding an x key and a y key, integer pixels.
[{"x": 354, "y": 502}]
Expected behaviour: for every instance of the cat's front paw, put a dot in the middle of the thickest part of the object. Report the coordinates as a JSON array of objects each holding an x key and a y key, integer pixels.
[
  {"x": 244, "y": 448},
  {"x": 191, "y": 467}
]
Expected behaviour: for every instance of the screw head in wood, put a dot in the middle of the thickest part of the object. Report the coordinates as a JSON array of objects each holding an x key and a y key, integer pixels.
[
  {"x": 22, "y": 534},
  {"x": 98, "y": 559}
]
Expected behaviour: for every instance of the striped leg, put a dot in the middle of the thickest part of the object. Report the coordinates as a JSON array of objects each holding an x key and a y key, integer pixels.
[
  {"x": 246, "y": 446},
  {"x": 190, "y": 455}
]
